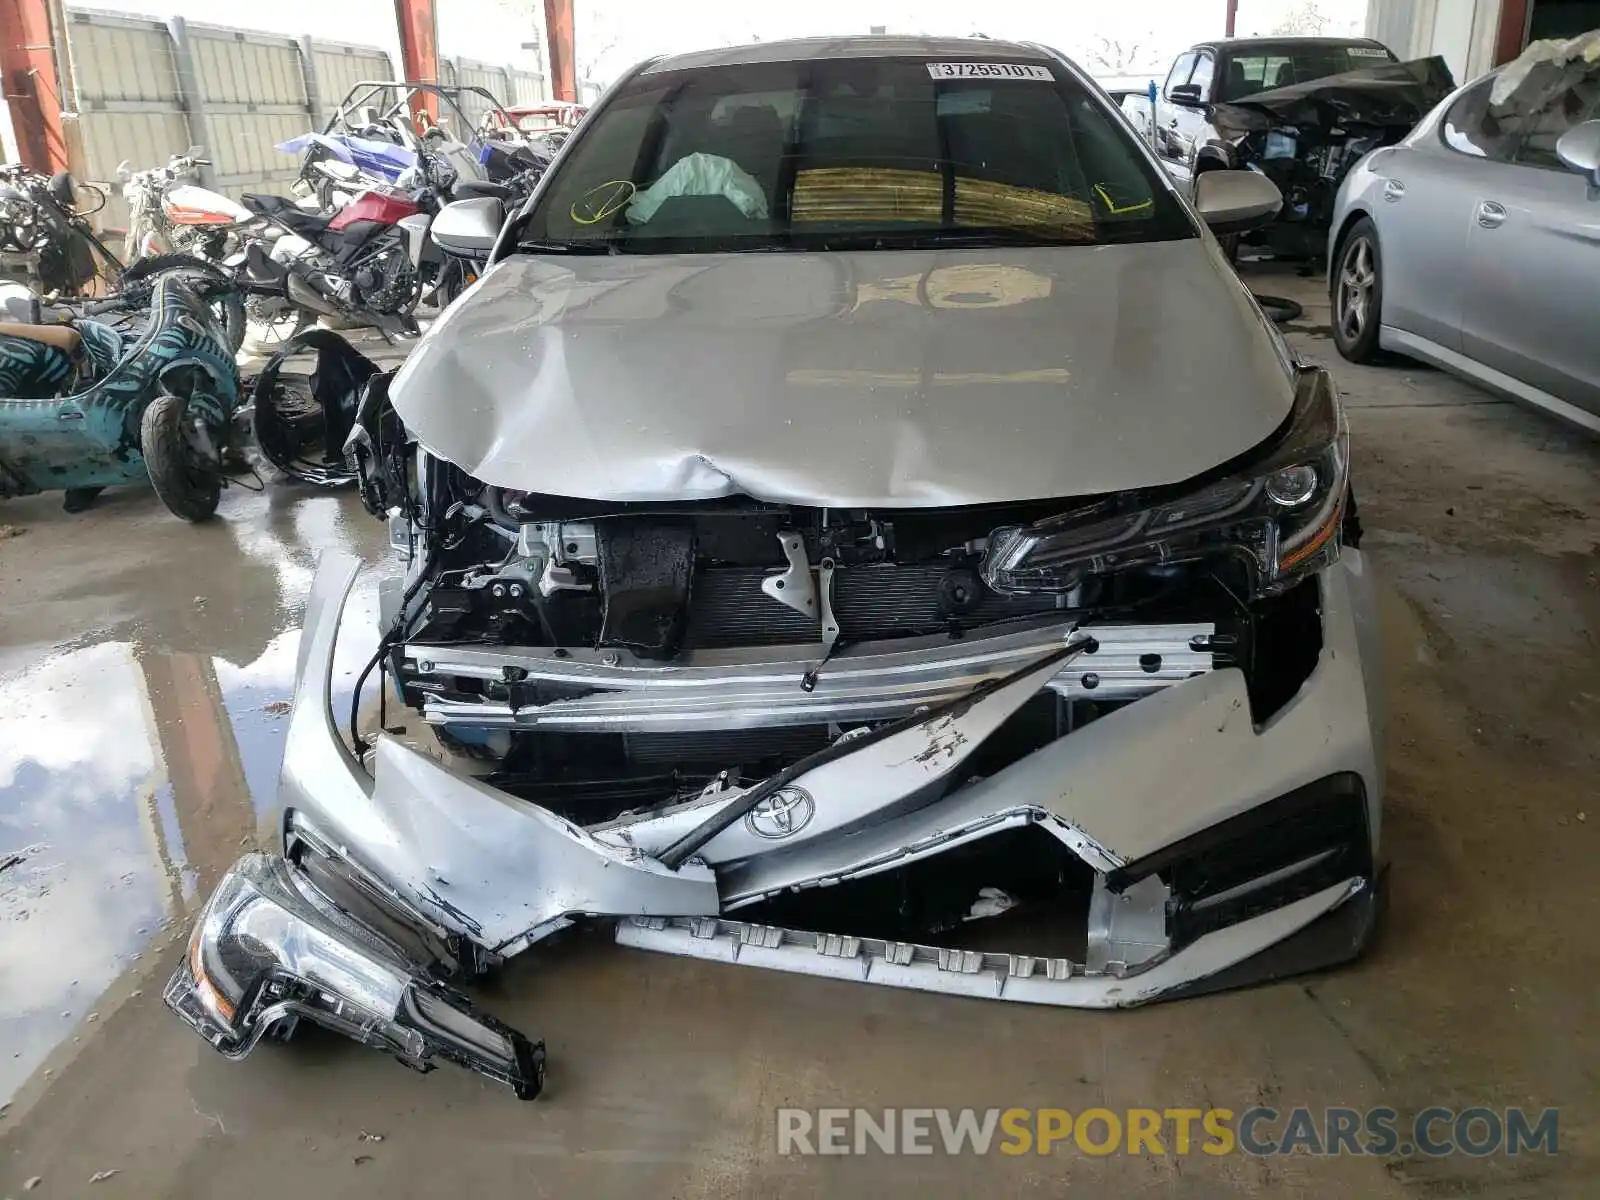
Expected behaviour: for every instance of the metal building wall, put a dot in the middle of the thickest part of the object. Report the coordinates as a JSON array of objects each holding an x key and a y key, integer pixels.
[
  {"x": 129, "y": 101},
  {"x": 526, "y": 87},
  {"x": 148, "y": 89},
  {"x": 1390, "y": 22},
  {"x": 337, "y": 67},
  {"x": 252, "y": 96},
  {"x": 1462, "y": 31},
  {"x": 505, "y": 84}
]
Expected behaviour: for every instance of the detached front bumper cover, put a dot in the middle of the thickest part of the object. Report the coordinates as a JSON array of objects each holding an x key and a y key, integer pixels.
[
  {"x": 269, "y": 949},
  {"x": 1223, "y": 851}
]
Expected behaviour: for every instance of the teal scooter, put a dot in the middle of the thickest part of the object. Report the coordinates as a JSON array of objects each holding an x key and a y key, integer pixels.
[{"x": 85, "y": 406}]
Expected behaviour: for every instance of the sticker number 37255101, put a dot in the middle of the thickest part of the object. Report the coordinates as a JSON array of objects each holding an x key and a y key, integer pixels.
[{"x": 985, "y": 70}]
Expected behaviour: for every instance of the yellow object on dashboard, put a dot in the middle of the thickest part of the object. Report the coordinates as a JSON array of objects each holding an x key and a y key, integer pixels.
[{"x": 845, "y": 195}]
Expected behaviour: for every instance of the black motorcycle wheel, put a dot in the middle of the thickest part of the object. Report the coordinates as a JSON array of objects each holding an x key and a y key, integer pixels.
[
  {"x": 225, "y": 301},
  {"x": 183, "y": 480}
]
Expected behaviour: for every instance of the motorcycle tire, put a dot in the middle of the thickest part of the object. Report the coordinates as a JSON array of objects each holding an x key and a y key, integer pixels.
[
  {"x": 189, "y": 489},
  {"x": 230, "y": 306}
]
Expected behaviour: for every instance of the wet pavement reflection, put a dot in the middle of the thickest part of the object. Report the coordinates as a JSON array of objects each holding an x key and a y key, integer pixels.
[{"x": 139, "y": 747}]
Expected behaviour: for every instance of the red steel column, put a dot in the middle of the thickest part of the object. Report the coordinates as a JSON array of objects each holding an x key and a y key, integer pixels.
[
  {"x": 32, "y": 85},
  {"x": 1232, "y": 19},
  {"x": 558, "y": 27},
  {"x": 1512, "y": 36},
  {"x": 419, "y": 46}
]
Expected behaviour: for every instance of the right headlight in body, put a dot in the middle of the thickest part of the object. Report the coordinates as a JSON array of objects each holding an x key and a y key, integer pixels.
[{"x": 1278, "y": 508}]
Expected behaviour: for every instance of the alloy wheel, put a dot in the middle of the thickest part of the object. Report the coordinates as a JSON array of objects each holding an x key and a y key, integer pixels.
[{"x": 1358, "y": 276}]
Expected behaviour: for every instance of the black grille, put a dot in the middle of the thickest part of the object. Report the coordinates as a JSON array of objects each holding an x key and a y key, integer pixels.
[
  {"x": 728, "y": 608},
  {"x": 718, "y": 748},
  {"x": 1301, "y": 842}
]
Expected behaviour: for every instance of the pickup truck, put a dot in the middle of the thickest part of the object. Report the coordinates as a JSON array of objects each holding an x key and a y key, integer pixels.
[
  {"x": 1222, "y": 72},
  {"x": 1300, "y": 110}
]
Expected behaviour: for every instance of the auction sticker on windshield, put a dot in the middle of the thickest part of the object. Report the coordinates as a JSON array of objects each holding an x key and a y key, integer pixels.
[{"x": 982, "y": 70}]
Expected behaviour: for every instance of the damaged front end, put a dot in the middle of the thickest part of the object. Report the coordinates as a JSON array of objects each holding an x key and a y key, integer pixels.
[
  {"x": 1087, "y": 752},
  {"x": 1307, "y": 137}
]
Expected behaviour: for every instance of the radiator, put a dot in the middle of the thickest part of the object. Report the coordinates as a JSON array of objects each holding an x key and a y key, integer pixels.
[{"x": 728, "y": 608}]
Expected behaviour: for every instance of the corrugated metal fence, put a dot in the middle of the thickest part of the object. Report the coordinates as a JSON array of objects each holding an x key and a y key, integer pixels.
[
  {"x": 147, "y": 89},
  {"x": 505, "y": 84}
]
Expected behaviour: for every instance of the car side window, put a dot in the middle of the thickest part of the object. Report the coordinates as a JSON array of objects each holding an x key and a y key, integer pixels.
[
  {"x": 1472, "y": 128},
  {"x": 1203, "y": 69},
  {"x": 1180, "y": 73},
  {"x": 1573, "y": 98}
]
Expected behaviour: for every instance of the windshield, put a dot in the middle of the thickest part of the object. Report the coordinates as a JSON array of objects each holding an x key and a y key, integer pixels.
[
  {"x": 1264, "y": 68},
  {"x": 851, "y": 153}
]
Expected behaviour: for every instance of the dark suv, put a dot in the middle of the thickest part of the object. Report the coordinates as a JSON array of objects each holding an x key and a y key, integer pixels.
[{"x": 1222, "y": 72}]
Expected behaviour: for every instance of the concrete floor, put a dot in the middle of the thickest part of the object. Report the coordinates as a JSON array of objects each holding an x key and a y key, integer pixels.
[{"x": 144, "y": 666}]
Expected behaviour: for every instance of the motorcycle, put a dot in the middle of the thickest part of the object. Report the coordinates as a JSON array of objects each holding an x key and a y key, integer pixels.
[
  {"x": 336, "y": 168},
  {"x": 41, "y": 221},
  {"x": 41, "y": 217},
  {"x": 87, "y": 406},
  {"x": 354, "y": 265},
  {"x": 168, "y": 213}
]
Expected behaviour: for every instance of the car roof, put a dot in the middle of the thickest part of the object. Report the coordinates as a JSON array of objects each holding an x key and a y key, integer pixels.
[
  {"x": 866, "y": 46},
  {"x": 1258, "y": 42}
]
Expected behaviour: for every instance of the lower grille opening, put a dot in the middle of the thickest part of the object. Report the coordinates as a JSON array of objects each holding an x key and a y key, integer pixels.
[
  {"x": 932, "y": 900},
  {"x": 1279, "y": 852}
]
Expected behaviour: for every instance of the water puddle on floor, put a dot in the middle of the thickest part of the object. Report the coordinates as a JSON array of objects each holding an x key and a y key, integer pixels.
[{"x": 136, "y": 764}]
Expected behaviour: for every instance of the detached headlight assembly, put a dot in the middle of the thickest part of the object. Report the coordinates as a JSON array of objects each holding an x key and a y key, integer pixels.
[
  {"x": 268, "y": 950},
  {"x": 1279, "y": 509}
]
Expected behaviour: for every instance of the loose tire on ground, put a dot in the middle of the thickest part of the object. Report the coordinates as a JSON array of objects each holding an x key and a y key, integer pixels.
[{"x": 189, "y": 490}]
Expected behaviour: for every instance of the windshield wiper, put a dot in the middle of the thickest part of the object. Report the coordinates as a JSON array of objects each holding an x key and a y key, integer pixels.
[
  {"x": 993, "y": 236},
  {"x": 934, "y": 239},
  {"x": 586, "y": 247}
]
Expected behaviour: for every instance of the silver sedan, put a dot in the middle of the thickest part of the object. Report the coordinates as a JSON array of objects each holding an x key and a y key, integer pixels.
[{"x": 1474, "y": 244}]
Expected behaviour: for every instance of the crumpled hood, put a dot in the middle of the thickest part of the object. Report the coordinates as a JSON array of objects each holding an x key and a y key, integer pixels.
[
  {"x": 889, "y": 378},
  {"x": 1394, "y": 94}
]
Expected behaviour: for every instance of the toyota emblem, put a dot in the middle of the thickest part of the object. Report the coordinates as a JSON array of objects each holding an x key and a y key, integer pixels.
[{"x": 787, "y": 811}]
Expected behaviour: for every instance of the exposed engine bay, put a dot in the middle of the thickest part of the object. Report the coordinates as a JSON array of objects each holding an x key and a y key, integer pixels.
[
  {"x": 799, "y": 595},
  {"x": 623, "y": 665},
  {"x": 1308, "y": 136},
  {"x": 783, "y": 602},
  {"x": 1308, "y": 163}
]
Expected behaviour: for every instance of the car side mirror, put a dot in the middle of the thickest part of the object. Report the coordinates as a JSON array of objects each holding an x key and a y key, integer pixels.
[
  {"x": 1579, "y": 150},
  {"x": 1187, "y": 94},
  {"x": 469, "y": 228},
  {"x": 1236, "y": 201}
]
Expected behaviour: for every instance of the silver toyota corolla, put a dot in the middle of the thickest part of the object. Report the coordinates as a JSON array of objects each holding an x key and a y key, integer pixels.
[
  {"x": 858, "y": 525},
  {"x": 1474, "y": 244}
]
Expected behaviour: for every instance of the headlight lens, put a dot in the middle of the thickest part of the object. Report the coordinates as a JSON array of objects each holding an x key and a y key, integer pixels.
[
  {"x": 1292, "y": 486},
  {"x": 1280, "y": 510},
  {"x": 269, "y": 950},
  {"x": 258, "y": 923}
]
